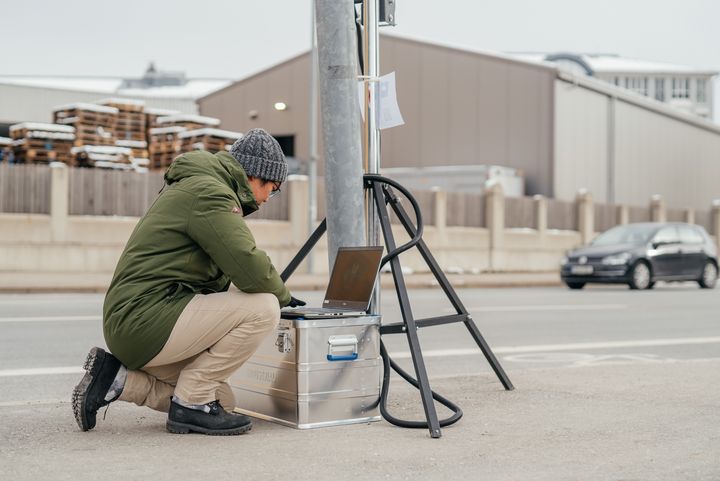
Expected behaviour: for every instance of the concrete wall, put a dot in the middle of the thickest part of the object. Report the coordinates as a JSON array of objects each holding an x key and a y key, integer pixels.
[{"x": 59, "y": 242}]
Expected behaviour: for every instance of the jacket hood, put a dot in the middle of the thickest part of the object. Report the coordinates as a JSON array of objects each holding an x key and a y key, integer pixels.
[{"x": 221, "y": 166}]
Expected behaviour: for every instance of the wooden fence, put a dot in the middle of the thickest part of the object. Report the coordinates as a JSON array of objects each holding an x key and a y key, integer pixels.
[
  {"x": 519, "y": 212},
  {"x": 561, "y": 215},
  {"x": 465, "y": 209},
  {"x": 605, "y": 217},
  {"x": 112, "y": 192},
  {"x": 704, "y": 218},
  {"x": 24, "y": 189}
]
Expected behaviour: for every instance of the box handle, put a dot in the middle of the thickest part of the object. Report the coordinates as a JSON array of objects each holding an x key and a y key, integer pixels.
[{"x": 342, "y": 348}]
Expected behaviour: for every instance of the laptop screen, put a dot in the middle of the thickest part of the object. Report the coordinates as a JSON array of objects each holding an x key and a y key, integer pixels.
[{"x": 353, "y": 277}]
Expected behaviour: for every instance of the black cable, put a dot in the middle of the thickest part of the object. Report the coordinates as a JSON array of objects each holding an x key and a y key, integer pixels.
[
  {"x": 387, "y": 360},
  {"x": 358, "y": 33},
  {"x": 387, "y": 364},
  {"x": 416, "y": 208}
]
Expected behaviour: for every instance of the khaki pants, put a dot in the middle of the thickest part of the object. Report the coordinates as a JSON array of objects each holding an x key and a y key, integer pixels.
[{"x": 213, "y": 337}]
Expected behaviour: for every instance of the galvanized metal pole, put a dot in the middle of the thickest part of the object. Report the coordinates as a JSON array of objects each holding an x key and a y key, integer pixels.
[
  {"x": 312, "y": 164},
  {"x": 344, "y": 193},
  {"x": 371, "y": 135}
]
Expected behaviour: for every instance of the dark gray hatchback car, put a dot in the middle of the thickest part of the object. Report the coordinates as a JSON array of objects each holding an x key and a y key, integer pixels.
[{"x": 641, "y": 254}]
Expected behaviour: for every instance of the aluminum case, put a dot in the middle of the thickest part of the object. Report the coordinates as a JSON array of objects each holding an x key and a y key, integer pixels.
[{"x": 314, "y": 373}]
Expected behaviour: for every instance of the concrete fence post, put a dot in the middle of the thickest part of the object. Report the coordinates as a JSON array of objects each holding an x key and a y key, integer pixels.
[
  {"x": 298, "y": 212},
  {"x": 495, "y": 220},
  {"x": 715, "y": 221},
  {"x": 59, "y": 200},
  {"x": 690, "y": 216},
  {"x": 623, "y": 215},
  {"x": 585, "y": 215},
  {"x": 540, "y": 214},
  {"x": 657, "y": 209},
  {"x": 439, "y": 205}
]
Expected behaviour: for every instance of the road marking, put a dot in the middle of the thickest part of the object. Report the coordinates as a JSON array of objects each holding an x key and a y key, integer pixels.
[
  {"x": 34, "y": 302},
  {"x": 579, "y": 346},
  {"x": 545, "y": 307},
  {"x": 46, "y": 371},
  {"x": 41, "y": 371},
  {"x": 37, "y": 402},
  {"x": 51, "y": 319}
]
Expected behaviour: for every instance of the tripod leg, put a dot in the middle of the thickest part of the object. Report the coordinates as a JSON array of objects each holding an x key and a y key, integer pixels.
[
  {"x": 411, "y": 331},
  {"x": 303, "y": 252},
  {"x": 480, "y": 340},
  {"x": 450, "y": 292}
]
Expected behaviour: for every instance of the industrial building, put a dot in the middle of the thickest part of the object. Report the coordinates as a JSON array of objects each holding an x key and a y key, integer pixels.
[
  {"x": 683, "y": 87},
  {"x": 564, "y": 130},
  {"x": 32, "y": 99}
]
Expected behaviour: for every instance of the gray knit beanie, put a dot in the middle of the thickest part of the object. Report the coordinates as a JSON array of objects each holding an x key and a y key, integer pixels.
[{"x": 260, "y": 155}]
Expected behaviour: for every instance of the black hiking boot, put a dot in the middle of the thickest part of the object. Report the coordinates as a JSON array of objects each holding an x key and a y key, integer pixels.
[
  {"x": 89, "y": 395},
  {"x": 217, "y": 422}
]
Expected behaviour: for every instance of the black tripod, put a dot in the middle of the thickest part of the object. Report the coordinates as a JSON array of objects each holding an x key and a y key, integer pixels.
[{"x": 383, "y": 195}]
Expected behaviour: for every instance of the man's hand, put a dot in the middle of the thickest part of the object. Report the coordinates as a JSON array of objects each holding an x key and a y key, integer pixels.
[{"x": 295, "y": 302}]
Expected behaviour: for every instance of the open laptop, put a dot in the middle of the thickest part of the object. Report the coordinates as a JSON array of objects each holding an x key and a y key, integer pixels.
[{"x": 350, "y": 287}]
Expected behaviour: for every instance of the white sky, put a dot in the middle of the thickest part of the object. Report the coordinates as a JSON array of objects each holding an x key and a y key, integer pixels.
[{"x": 232, "y": 38}]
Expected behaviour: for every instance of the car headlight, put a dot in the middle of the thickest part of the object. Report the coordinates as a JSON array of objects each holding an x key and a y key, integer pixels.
[
  {"x": 563, "y": 260},
  {"x": 617, "y": 259}
]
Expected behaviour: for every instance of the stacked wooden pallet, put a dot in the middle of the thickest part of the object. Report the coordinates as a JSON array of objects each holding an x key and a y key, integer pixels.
[
  {"x": 131, "y": 122},
  {"x": 5, "y": 149},
  {"x": 103, "y": 156},
  {"x": 152, "y": 114},
  {"x": 189, "y": 121},
  {"x": 94, "y": 124},
  {"x": 139, "y": 147},
  {"x": 38, "y": 142},
  {"x": 164, "y": 146},
  {"x": 212, "y": 140}
]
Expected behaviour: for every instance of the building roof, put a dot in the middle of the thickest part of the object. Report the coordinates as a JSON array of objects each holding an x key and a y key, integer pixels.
[
  {"x": 193, "y": 89},
  {"x": 611, "y": 63}
]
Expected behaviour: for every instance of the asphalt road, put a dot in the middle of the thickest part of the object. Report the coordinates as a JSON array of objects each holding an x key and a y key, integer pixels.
[{"x": 560, "y": 348}]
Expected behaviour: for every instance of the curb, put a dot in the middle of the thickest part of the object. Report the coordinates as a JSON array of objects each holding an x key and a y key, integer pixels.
[{"x": 36, "y": 283}]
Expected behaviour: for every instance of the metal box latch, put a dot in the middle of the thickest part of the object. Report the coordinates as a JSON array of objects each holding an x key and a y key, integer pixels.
[{"x": 284, "y": 341}]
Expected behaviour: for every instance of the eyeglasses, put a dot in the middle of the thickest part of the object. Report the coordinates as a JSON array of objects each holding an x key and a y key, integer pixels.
[{"x": 275, "y": 191}]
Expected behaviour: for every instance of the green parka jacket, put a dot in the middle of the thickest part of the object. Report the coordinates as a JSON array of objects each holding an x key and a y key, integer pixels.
[{"x": 193, "y": 240}]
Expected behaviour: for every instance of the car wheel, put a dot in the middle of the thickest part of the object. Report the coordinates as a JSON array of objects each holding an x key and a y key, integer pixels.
[
  {"x": 709, "y": 276},
  {"x": 640, "y": 276},
  {"x": 575, "y": 285}
]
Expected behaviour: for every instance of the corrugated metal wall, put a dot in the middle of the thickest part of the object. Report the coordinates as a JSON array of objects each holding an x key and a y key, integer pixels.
[
  {"x": 625, "y": 150},
  {"x": 288, "y": 82},
  {"x": 464, "y": 108},
  {"x": 657, "y": 154},
  {"x": 460, "y": 108},
  {"x": 581, "y": 142}
]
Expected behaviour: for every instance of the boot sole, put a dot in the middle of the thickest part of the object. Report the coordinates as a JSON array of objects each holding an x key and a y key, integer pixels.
[
  {"x": 182, "y": 428},
  {"x": 80, "y": 391}
]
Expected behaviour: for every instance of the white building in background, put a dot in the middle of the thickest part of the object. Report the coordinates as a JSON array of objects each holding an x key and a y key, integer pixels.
[
  {"x": 32, "y": 98},
  {"x": 683, "y": 87}
]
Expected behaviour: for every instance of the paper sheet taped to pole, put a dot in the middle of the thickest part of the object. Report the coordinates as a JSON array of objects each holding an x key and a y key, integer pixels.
[{"x": 386, "y": 107}]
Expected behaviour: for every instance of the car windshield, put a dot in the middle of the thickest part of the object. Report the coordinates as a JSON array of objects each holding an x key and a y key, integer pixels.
[{"x": 625, "y": 234}]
